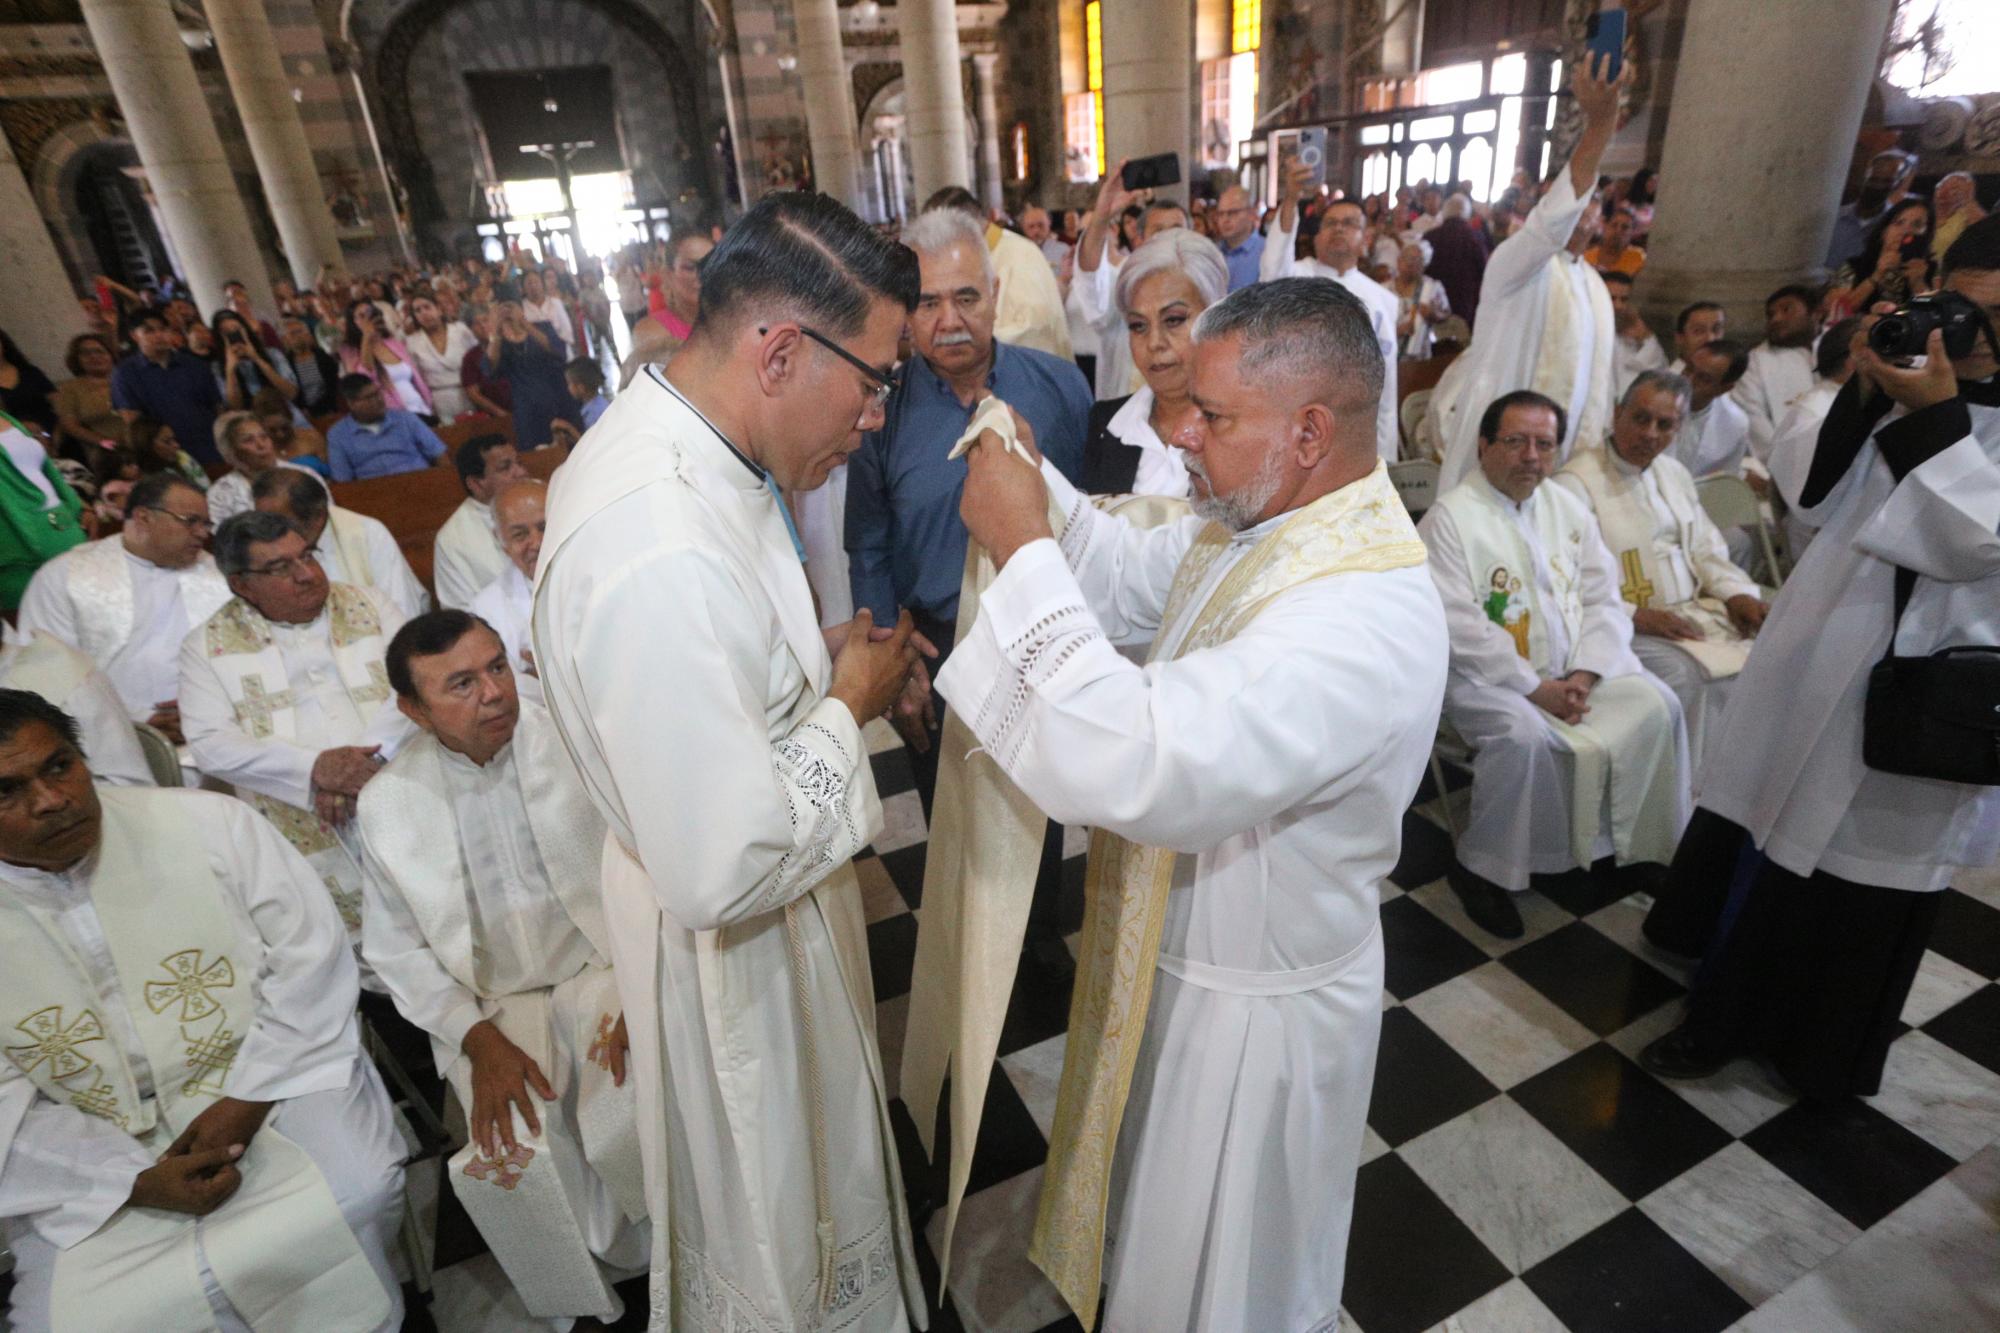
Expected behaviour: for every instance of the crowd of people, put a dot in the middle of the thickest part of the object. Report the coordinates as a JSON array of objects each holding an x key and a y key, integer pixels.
[{"x": 581, "y": 812}]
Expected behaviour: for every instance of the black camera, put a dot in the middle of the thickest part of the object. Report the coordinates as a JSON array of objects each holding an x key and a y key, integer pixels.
[{"x": 1906, "y": 332}]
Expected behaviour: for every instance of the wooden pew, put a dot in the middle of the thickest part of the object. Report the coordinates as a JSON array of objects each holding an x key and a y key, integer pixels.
[{"x": 414, "y": 505}]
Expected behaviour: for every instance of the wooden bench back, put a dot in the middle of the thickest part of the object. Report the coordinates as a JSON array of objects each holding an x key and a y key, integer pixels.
[{"x": 414, "y": 505}]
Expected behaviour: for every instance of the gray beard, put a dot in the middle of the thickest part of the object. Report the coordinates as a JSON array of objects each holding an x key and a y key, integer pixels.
[{"x": 1239, "y": 511}]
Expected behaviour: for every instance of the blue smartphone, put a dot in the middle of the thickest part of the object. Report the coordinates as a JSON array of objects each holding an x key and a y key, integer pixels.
[{"x": 1606, "y": 37}]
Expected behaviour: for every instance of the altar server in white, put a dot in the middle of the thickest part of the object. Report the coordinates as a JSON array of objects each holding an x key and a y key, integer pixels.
[
  {"x": 689, "y": 678},
  {"x": 466, "y": 555},
  {"x": 47, "y": 666},
  {"x": 1693, "y": 610},
  {"x": 1714, "y": 438},
  {"x": 126, "y": 602},
  {"x": 520, "y": 512},
  {"x": 286, "y": 696},
  {"x": 1545, "y": 318},
  {"x": 1579, "y": 752},
  {"x": 190, "y": 1136},
  {"x": 1826, "y": 939},
  {"x": 485, "y": 921},
  {"x": 352, "y": 548},
  {"x": 1781, "y": 367},
  {"x": 1247, "y": 785}
]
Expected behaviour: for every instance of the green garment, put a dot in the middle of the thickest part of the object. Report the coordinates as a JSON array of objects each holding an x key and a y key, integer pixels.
[{"x": 30, "y": 532}]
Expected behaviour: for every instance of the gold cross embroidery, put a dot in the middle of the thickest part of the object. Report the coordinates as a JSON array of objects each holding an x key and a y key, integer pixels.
[
  {"x": 208, "y": 1062},
  {"x": 190, "y": 984},
  {"x": 1636, "y": 589},
  {"x": 256, "y": 708},
  {"x": 53, "y": 1042},
  {"x": 100, "y": 1101},
  {"x": 599, "y": 1053}
]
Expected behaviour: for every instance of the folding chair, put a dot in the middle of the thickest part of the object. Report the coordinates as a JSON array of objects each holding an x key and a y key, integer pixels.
[
  {"x": 1416, "y": 483},
  {"x": 1730, "y": 503}
]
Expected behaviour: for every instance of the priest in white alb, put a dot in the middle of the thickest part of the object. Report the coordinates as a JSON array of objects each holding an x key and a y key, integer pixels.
[
  {"x": 352, "y": 548},
  {"x": 1693, "y": 610},
  {"x": 1545, "y": 318},
  {"x": 467, "y": 555},
  {"x": 1579, "y": 752},
  {"x": 520, "y": 514},
  {"x": 127, "y": 602},
  {"x": 286, "y": 696},
  {"x": 718, "y": 732},
  {"x": 1714, "y": 438},
  {"x": 47, "y": 666},
  {"x": 190, "y": 1135},
  {"x": 1247, "y": 786},
  {"x": 484, "y": 919}
]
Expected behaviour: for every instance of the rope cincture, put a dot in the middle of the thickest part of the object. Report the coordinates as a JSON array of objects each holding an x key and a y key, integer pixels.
[{"x": 816, "y": 1093}]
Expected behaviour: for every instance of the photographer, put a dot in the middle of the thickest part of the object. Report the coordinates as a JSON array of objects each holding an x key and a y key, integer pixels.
[{"x": 1860, "y": 783}]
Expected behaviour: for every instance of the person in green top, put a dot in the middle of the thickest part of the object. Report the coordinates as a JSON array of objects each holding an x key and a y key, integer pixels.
[{"x": 40, "y": 516}]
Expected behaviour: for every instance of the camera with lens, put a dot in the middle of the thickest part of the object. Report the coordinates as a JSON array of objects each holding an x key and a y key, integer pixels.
[{"x": 1907, "y": 332}]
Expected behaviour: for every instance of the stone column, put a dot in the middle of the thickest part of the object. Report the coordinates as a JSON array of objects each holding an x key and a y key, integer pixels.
[
  {"x": 153, "y": 78},
  {"x": 1741, "y": 214},
  {"x": 263, "y": 96},
  {"x": 37, "y": 305},
  {"x": 988, "y": 109},
  {"x": 830, "y": 127},
  {"x": 1149, "y": 81},
  {"x": 933, "y": 98}
]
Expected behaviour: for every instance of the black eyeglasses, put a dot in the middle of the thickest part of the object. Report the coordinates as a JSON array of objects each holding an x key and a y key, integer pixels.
[
  {"x": 879, "y": 384},
  {"x": 192, "y": 522}
]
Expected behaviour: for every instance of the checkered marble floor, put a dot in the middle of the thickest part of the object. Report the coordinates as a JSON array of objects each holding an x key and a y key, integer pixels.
[{"x": 1521, "y": 1172}]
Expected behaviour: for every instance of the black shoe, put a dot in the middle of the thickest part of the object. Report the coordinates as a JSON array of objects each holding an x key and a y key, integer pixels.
[
  {"x": 1490, "y": 906},
  {"x": 1680, "y": 1055}
]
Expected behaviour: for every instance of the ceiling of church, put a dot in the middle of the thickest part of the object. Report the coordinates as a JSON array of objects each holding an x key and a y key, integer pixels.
[{"x": 40, "y": 11}]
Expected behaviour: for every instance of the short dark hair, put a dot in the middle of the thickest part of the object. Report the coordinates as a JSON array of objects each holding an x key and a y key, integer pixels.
[
  {"x": 1489, "y": 420},
  {"x": 1738, "y": 354},
  {"x": 152, "y": 314},
  {"x": 304, "y": 494},
  {"x": 1978, "y": 246},
  {"x": 1835, "y": 346},
  {"x": 239, "y": 532},
  {"x": 426, "y": 635},
  {"x": 1796, "y": 290},
  {"x": 1307, "y": 326},
  {"x": 809, "y": 255},
  {"x": 18, "y": 708},
  {"x": 353, "y": 384},
  {"x": 1612, "y": 275},
  {"x": 585, "y": 371},
  {"x": 955, "y": 196},
  {"x": 470, "y": 457},
  {"x": 1689, "y": 312},
  {"x": 152, "y": 488},
  {"x": 73, "y": 357}
]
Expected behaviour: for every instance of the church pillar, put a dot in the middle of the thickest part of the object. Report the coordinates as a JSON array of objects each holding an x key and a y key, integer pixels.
[
  {"x": 37, "y": 305},
  {"x": 1742, "y": 211},
  {"x": 263, "y": 97},
  {"x": 160, "y": 98},
  {"x": 988, "y": 107},
  {"x": 1149, "y": 81},
  {"x": 830, "y": 127},
  {"x": 933, "y": 97}
]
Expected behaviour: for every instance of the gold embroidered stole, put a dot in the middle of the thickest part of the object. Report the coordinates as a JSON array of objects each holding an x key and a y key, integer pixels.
[{"x": 1361, "y": 528}]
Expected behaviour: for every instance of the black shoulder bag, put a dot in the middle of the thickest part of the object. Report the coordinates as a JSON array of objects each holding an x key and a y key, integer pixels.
[{"x": 1936, "y": 716}]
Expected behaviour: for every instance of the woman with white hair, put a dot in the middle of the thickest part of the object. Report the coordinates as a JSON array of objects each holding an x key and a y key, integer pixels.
[
  {"x": 1161, "y": 290},
  {"x": 1420, "y": 299}
]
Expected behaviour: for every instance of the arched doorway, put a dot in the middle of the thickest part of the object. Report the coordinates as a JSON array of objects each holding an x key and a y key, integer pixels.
[
  {"x": 118, "y": 218},
  {"x": 889, "y": 182}
]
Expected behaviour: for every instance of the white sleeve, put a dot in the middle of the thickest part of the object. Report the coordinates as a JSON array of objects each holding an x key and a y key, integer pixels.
[
  {"x": 424, "y": 992},
  {"x": 393, "y": 576},
  {"x": 46, "y": 605},
  {"x": 1125, "y": 571},
  {"x": 736, "y": 824},
  {"x": 452, "y": 574},
  {"x": 221, "y": 749},
  {"x": 62, "y": 1172},
  {"x": 1943, "y": 519},
  {"x": 1280, "y": 246},
  {"x": 1480, "y": 650},
  {"x": 1752, "y": 394},
  {"x": 1388, "y": 432},
  {"x": 1708, "y": 554},
  {"x": 1545, "y": 233},
  {"x": 108, "y": 739}
]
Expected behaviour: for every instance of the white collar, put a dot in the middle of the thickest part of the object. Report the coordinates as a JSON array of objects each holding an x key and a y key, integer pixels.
[{"x": 1133, "y": 423}]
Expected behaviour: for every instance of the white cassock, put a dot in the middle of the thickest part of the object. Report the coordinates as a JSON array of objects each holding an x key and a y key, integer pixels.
[
  {"x": 503, "y": 920},
  {"x": 821, "y": 516},
  {"x": 47, "y": 666},
  {"x": 685, "y": 669},
  {"x": 507, "y": 603},
  {"x": 260, "y": 700},
  {"x": 1668, "y": 555},
  {"x": 1273, "y": 741},
  {"x": 1383, "y": 311},
  {"x": 1714, "y": 440},
  {"x": 1775, "y": 377},
  {"x": 361, "y": 551},
  {"x": 126, "y": 614},
  {"x": 466, "y": 555},
  {"x": 1789, "y": 459},
  {"x": 193, "y": 956},
  {"x": 1028, "y": 311},
  {"x": 1531, "y": 594},
  {"x": 1545, "y": 323},
  {"x": 1629, "y": 359},
  {"x": 1792, "y": 774}
]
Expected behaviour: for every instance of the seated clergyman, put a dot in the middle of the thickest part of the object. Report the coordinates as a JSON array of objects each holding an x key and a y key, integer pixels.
[
  {"x": 1693, "y": 610},
  {"x": 352, "y": 548},
  {"x": 483, "y": 919},
  {"x": 1580, "y": 752},
  {"x": 284, "y": 694},
  {"x": 520, "y": 516},
  {"x": 189, "y": 1135}
]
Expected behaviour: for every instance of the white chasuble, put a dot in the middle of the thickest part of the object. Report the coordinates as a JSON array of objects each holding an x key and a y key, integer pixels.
[
  {"x": 240, "y": 650},
  {"x": 1228, "y": 991},
  {"x": 686, "y": 674},
  {"x": 279, "y": 1248}
]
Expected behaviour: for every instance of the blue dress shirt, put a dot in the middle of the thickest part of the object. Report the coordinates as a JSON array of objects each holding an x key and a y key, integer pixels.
[
  {"x": 905, "y": 540},
  {"x": 1243, "y": 260},
  {"x": 397, "y": 443}
]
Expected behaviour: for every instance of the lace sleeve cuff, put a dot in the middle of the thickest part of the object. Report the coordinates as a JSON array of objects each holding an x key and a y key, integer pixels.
[{"x": 822, "y": 768}]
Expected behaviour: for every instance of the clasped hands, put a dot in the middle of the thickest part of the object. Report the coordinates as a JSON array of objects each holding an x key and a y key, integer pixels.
[
  {"x": 1566, "y": 699},
  {"x": 1746, "y": 613},
  {"x": 338, "y": 776},
  {"x": 197, "y": 1173}
]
